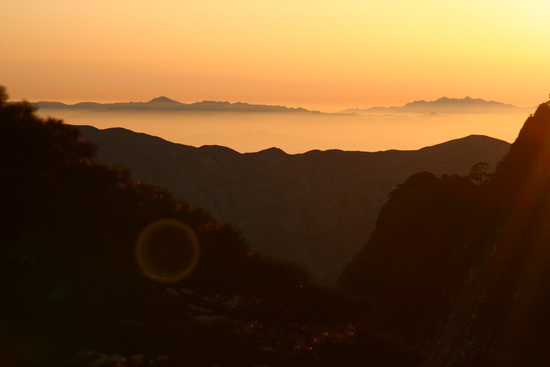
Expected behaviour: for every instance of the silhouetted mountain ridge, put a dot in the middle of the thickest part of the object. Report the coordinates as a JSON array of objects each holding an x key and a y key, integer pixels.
[{"x": 314, "y": 209}]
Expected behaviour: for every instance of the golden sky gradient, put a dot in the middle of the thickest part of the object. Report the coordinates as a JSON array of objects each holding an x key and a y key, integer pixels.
[{"x": 323, "y": 54}]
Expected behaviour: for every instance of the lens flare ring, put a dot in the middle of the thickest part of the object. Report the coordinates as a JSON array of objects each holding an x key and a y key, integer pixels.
[{"x": 167, "y": 251}]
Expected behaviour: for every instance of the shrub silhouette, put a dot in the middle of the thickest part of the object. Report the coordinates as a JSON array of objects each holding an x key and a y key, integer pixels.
[{"x": 478, "y": 173}]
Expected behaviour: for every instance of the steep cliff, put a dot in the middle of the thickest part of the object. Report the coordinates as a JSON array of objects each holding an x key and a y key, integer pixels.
[
  {"x": 502, "y": 316},
  {"x": 411, "y": 267},
  {"x": 464, "y": 269}
]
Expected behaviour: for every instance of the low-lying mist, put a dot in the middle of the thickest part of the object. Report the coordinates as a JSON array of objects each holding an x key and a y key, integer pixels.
[{"x": 301, "y": 132}]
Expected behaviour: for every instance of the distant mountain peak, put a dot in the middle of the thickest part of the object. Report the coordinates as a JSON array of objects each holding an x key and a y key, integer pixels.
[
  {"x": 466, "y": 100},
  {"x": 444, "y": 105},
  {"x": 163, "y": 99},
  {"x": 273, "y": 152}
]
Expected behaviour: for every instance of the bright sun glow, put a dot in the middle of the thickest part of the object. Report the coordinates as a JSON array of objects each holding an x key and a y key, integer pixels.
[
  {"x": 322, "y": 55},
  {"x": 325, "y": 55}
]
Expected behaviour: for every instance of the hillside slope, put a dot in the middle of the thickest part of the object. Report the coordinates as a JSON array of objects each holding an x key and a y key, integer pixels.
[{"x": 95, "y": 272}]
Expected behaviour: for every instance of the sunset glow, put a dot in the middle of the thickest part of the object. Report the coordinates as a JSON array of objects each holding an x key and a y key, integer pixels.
[{"x": 324, "y": 55}]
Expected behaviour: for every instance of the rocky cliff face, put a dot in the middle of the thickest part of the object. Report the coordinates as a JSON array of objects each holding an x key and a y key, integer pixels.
[
  {"x": 412, "y": 265},
  {"x": 314, "y": 209},
  {"x": 464, "y": 270},
  {"x": 502, "y": 318}
]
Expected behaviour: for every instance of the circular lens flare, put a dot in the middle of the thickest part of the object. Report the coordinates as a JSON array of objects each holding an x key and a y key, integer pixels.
[{"x": 167, "y": 251}]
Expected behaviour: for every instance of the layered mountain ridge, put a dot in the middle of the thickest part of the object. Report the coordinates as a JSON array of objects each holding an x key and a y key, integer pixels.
[{"x": 314, "y": 209}]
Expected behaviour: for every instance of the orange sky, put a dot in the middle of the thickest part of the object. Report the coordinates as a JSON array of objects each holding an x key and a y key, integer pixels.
[{"x": 325, "y": 55}]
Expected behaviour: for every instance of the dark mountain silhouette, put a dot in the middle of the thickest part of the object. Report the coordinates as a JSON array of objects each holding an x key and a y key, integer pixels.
[
  {"x": 463, "y": 269},
  {"x": 73, "y": 294},
  {"x": 444, "y": 105},
  {"x": 167, "y": 104},
  {"x": 314, "y": 209}
]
